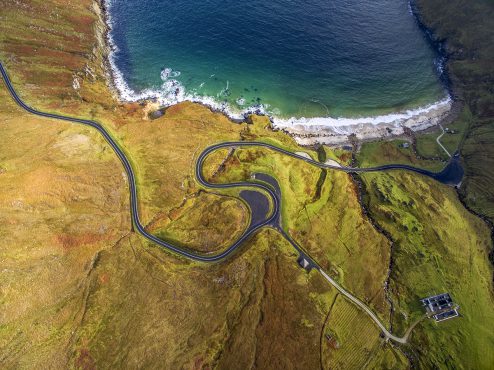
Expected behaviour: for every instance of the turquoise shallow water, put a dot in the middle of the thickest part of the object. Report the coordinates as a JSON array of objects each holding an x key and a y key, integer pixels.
[{"x": 313, "y": 58}]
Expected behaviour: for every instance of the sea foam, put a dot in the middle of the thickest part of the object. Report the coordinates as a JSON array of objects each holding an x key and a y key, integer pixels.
[
  {"x": 373, "y": 120},
  {"x": 172, "y": 92}
]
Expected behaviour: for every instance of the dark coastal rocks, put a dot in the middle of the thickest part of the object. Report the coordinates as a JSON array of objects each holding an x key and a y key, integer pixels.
[{"x": 156, "y": 114}]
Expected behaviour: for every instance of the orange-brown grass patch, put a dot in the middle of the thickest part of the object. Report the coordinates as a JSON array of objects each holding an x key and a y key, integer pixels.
[
  {"x": 69, "y": 241},
  {"x": 207, "y": 222}
]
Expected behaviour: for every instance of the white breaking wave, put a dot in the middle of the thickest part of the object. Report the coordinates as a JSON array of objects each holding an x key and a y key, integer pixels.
[
  {"x": 172, "y": 92},
  {"x": 168, "y": 72},
  {"x": 374, "y": 120}
]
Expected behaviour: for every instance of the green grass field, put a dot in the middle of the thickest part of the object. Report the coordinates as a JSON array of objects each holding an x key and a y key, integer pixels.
[
  {"x": 386, "y": 152},
  {"x": 351, "y": 340},
  {"x": 327, "y": 223},
  {"x": 439, "y": 247},
  {"x": 427, "y": 145},
  {"x": 83, "y": 291},
  {"x": 467, "y": 31}
]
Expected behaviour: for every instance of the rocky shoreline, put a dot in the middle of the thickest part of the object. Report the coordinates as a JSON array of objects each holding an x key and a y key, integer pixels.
[
  {"x": 313, "y": 134},
  {"x": 315, "y": 131},
  {"x": 102, "y": 33}
]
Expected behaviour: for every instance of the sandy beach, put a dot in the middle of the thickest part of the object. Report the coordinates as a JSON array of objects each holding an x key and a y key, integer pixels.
[
  {"x": 306, "y": 131},
  {"x": 337, "y": 131}
]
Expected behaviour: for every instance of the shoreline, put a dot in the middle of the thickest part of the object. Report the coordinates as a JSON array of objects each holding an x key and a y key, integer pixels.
[
  {"x": 306, "y": 131},
  {"x": 318, "y": 131},
  {"x": 103, "y": 38}
]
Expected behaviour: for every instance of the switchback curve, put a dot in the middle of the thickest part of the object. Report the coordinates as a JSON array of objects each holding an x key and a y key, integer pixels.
[{"x": 445, "y": 176}]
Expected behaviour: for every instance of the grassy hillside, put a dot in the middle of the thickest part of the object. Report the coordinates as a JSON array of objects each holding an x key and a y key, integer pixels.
[
  {"x": 387, "y": 152},
  {"x": 350, "y": 341},
  {"x": 438, "y": 247},
  {"x": 122, "y": 302},
  {"x": 426, "y": 143},
  {"x": 467, "y": 29},
  {"x": 327, "y": 223},
  {"x": 80, "y": 290}
]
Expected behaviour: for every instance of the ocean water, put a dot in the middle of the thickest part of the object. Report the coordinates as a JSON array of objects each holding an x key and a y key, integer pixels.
[{"x": 288, "y": 58}]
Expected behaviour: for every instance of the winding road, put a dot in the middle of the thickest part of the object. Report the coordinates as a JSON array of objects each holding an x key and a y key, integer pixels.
[{"x": 451, "y": 175}]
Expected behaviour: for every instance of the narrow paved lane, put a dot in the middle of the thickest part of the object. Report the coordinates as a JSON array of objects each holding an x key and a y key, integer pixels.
[
  {"x": 438, "y": 140},
  {"x": 134, "y": 208},
  {"x": 451, "y": 175},
  {"x": 367, "y": 310}
]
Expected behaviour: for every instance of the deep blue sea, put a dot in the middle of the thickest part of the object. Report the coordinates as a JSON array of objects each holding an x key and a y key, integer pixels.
[{"x": 294, "y": 58}]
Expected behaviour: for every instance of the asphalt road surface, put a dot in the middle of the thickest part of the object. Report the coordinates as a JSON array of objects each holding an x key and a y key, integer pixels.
[{"x": 451, "y": 175}]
